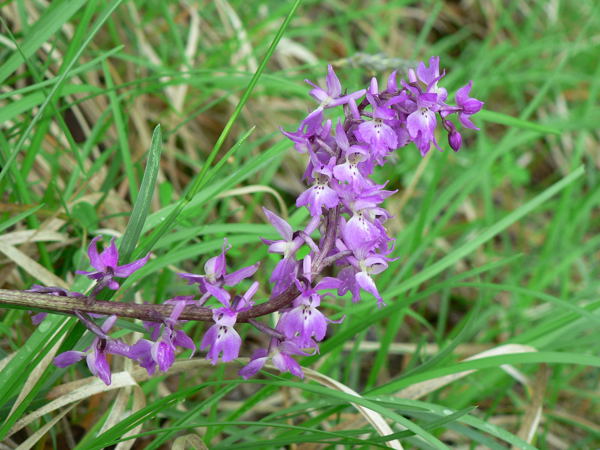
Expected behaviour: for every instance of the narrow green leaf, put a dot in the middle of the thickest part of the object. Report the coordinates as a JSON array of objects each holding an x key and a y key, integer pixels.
[
  {"x": 57, "y": 14},
  {"x": 16, "y": 219},
  {"x": 142, "y": 204},
  {"x": 491, "y": 362},
  {"x": 504, "y": 119}
]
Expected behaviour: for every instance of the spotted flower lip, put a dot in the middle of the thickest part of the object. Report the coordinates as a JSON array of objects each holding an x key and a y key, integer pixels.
[
  {"x": 222, "y": 340},
  {"x": 106, "y": 264}
]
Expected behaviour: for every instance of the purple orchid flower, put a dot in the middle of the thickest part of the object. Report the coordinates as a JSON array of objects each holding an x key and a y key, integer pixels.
[
  {"x": 377, "y": 132},
  {"x": 222, "y": 338},
  {"x": 284, "y": 274},
  {"x": 332, "y": 96},
  {"x": 320, "y": 194},
  {"x": 351, "y": 171},
  {"x": 96, "y": 358},
  {"x": 304, "y": 321},
  {"x": 215, "y": 276},
  {"x": 162, "y": 351},
  {"x": 106, "y": 265},
  {"x": 280, "y": 354},
  {"x": 468, "y": 106}
]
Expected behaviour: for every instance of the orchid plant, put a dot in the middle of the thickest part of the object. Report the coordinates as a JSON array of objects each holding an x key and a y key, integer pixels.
[{"x": 345, "y": 232}]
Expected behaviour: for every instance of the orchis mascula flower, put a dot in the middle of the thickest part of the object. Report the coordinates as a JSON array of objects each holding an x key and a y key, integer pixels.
[
  {"x": 106, "y": 265},
  {"x": 215, "y": 275},
  {"x": 346, "y": 230},
  {"x": 284, "y": 274},
  {"x": 222, "y": 337},
  {"x": 96, "y": 358},
  {"x": 280, "y": 354},
  {"x": 304, "y": 323},
  {"x": 166, "y": 337}
]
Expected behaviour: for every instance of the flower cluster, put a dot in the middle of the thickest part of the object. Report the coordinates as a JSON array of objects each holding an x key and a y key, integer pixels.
[{"x": 346, "y": 230}]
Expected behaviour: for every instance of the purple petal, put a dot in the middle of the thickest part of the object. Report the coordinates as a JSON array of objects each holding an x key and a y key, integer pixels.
[
  {"x": 183, "y": 340},
  {"x": 227, "y": 341},
  {"x": 224, "y": 317},
  {"x": 340, "y": 136},
  {"x": 164, "y": 355},
  {"x": 466, "y": 122},
  {"x": 99, "y": 366},
  {"x": 215, "y": 266},
  {"x": 127, "y": 269},
  {"x": 36, "y": 319},
  {"x": 110, "y": 255},
  {"x": 235, "y": 277},
  {"x": 422, "y": 120},
  {"x": 283, "y": 275},
  {"x": 377, "y": 134},
  {"x": 108, "y": 323},
  {"x": 367, "y": 283},
  {"x": 67, "y": 358},
  {"x": 95, "y": 260},
  {"x": 334, "y": 87},
  {"x": 283, "y": 228},
  {"x": 141, "y": 351},
  {"x": 258, "y": 360},
  {"x": 219, "y": 293},
  {"x": 209, "y": 337},
  {"x": 285, "y": 363},
  {"x": 192, "y": 278}
]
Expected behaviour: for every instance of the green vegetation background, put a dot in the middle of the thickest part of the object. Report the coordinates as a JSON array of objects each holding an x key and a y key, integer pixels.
[{"x": 498, "y": 244}]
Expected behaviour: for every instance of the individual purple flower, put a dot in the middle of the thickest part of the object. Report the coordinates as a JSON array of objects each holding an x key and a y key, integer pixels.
[
  {"x": 96, "y": 358},
  {"x": 284, "y": 274},
  {"x": 429, "y": 77},
  {"x": 332, "y": 96},
  {"x": 162, "y": 351},
  {"x": 216, "y": 276},
  {"x": 365, "y": 223},
  {"x": 320, "y": 193},
  {"x": 422, "y": 122},
  {"x": 468, "y": 106},
  {"x": 377, "y": 132},
  {"x": 50, "y": 290},
  {"x": 280, "y": 354},
  {"x": 351, "y": 171},
  {"x": 106, "y": 265},
  {"x": 311, "y": 130},
  {"x": 223, "y": 340},
  {"x": 304, "y": 321},
  {"x": 454, "y": 137},
  {"x": 364, "y": 263}
]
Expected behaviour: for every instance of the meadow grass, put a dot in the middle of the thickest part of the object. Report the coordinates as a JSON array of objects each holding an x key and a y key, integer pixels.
[{"x": 157, "y": 122}]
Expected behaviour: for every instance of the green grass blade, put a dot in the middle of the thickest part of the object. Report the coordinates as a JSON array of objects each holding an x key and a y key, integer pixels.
[
  {"x": 57, "y": 14},
  {"x": 515, "y": 122},
  {"x": 142, "y": 204}
]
